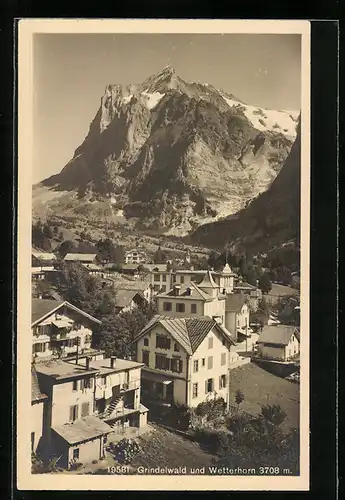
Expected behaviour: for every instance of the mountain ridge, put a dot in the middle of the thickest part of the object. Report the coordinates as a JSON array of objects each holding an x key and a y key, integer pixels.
[{"x": 175, "y": 154}]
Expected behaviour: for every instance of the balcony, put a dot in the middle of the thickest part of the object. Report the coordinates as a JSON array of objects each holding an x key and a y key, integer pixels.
[{"x": 130, "y": 386}]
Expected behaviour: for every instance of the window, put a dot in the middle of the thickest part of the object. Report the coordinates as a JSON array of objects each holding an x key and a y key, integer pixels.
[
  {"x": 146, "y": 358},
  {"x": 223, "y": 359},
  {"x": 196, "y": 365},
  {"x": 104, "y": 380},
  {"x": 167, "y": 306},
  {"x": 85, "y": 409},
  {"x": 162, "y": 362},
  {"x": 86, "y": 383},
  {"x": 209, "y": 385},
  {"x": 40, "y": 347},
  {"x": 156, "y": 288},
  {"x": 76, "y": 454},
  {"x": 156, "y": 277},
  {"x": 210, "y": 342},
  {"x": 164, "y": 288},
  {"x": 176, "y": 365},
  {"x": 146, "y": 342},
  {"x": 87, "y": 339},
  {"x": 180, "y": 307},
  {"x": 174, "y": 278},
  {"x": 176, "y": 347},
  {"x": 162, "y": 342},
  {"x": 193, "y": 308},
  {"x": 75, "y": 385},
  {"x": 181, "y": 280},
  {"x": 203, "y": 361},
  {"x": 164, "y": 278},
  {"x": 222, "y": 382},
  {"x": 210, "y": 362},
  {"x": 195, "y": 390},
  {"x": 44, "y": 330},
  {"x": 73, "y": 413}
]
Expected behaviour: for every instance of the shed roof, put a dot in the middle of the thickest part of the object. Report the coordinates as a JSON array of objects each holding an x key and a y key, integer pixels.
[
  {"x": 84, "y": 257},
  {"x": 185, "y": 289},
  {"x": 82, "y": 430},
  {"x": 278, "y": 334}
]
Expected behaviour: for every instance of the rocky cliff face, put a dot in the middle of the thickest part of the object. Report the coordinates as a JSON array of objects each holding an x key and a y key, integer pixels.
[
  {"x": 272, "y": 219},
  {"x": 176, "y": 154}
]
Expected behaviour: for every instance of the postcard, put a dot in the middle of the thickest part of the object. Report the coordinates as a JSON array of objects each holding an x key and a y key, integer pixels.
[{"x": 163, "y": 254}]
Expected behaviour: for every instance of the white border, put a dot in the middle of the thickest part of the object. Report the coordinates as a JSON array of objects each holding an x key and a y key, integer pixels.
[{"x": 25, "y": 480}]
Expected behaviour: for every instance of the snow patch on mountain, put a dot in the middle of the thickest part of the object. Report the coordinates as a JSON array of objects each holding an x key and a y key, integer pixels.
[
  {"x": 153, "y": 98},
  {"x": 268, "y": 119}
]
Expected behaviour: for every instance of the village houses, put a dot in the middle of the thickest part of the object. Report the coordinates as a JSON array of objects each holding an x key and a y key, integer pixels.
[
  {"x": 279, "y": 342},
  {"x": 135, "y": 256},
  {"x": 80, "y": 399}
]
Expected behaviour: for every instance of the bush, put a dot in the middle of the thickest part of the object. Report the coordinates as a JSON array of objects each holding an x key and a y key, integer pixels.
[
  {"x": 215, "y": 440},
  {"x": 125, "y": 450}
]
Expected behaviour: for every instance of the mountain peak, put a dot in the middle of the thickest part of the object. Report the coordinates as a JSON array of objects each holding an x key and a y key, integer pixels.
[{"x": 161, "y": 81}]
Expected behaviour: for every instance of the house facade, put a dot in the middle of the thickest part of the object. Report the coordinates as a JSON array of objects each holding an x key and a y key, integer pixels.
[
  {"x": 60, "y": 329},
  {"x": 237, "y": 316},
  {"x": 38, "y": 405},
  {"x": 135, "y": 256},
  {"x": 279, "y": 342},
  {"x": 86, "y": 402},
  {"x": 187, "y": 360},
  {"x": 128, "y": 300}
]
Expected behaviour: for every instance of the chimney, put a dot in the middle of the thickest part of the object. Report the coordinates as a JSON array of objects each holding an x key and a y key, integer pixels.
[
  {"x": 177, "y": 290},
  {"x": 112, "y": 361},
  {"x": 40, "y": 296},
  {"x": 87, "y": 363},
  {"x": 257, "y": 283}
]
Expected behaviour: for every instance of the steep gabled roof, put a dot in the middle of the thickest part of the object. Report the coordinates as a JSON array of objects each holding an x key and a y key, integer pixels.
[
  {"x": 36, "y": 394},
  {"x": 278, "y": 334},
  {"x": 188, "y": 332},
  {"x": 197, "y": 293},
  {"x": 208, "y": 281},
  {"x": 234, "y": 302},
  {"x": 41, "y": 308}
]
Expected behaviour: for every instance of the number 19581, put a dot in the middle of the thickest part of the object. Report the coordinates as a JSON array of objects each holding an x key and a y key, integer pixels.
[
  {"x": 118, "y": 469},
  {"x": 273, "y": 470}
]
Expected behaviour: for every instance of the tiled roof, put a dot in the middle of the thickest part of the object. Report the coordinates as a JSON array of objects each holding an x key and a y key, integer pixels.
[
  {"x": 43, "y": 255},
  {"x": 89, "y": 257},
  {"x": 156, "y": 267},
  {"x": 130, "y": 267},
  {"x": 188, "y": 332},
  {"x": 184, "y": 292},
  {"x": 36, "y": 394},
  {"x": 59, "y": 370},
  {"x": 278, "y": 334},
  {"x": 124, "y": 297},
  {"x": 234, "y": 302},
  {"x": 82, "y": 429},
  {"x": 137, "y": 285},
  {"x": 41, "y": 307}
]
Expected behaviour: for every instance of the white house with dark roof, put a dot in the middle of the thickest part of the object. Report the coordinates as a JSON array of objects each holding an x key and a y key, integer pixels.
[
  {"x": 279, "y": 342},
  {"x": 60, "y": 329},
  {"x": 186, "y": 360},
  {"x": 127, "y": 300},
  {"x": 135, "y": 256}
]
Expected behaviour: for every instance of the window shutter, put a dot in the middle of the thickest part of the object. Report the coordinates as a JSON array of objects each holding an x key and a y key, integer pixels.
[
  {"x": 180, "y": 366},
  {"x": 220, "y": 382},
  {"x": 206, "y": 387},
  {"x": 71, "y": 413}
]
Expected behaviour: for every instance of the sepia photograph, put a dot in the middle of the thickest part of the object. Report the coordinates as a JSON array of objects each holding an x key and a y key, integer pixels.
[{"x": 163, "y": 246}]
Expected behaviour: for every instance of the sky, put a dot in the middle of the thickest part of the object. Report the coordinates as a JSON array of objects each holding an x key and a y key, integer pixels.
[{"x": 71, "y": 72}]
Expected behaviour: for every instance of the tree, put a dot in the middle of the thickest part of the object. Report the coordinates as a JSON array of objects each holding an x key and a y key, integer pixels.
[
  {"x": 273, "y": 414},
  {"x": 239, "y": 398},
  {"x": 160, "y": 256},
  {"x": 61, "y": 236},
  {"x": 243, "y": 266},
  {"x": 55, "y": 230},
  {"x": 65, "y": 247},
  {"x": 212, "y": 259},
  {"x": 47, "y": 231},
  {"x": 265, "y": 284},
  {"x": 114, "y": 337}
]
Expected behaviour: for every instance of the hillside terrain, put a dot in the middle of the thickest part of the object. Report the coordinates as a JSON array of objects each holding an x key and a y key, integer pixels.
[
  {"x": 270, "y": 220},
  {"x": 168, "y": 155}
]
